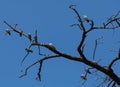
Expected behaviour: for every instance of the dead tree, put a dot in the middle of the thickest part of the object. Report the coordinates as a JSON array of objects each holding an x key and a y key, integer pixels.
[{"x": 113, "y": 22}]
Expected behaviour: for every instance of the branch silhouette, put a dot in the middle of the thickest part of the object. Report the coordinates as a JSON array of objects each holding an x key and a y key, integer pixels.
[{"x": 112, "y": 22}]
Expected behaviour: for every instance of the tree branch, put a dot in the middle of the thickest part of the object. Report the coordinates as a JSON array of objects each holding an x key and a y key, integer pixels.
[
  {"x": 83, "y": 34},
  {"x": 110, "y": 83},
  {"x": 115, "y": 59},
  {"x": 79, "y": 18},
  {"x": 95, "y": 48},
  {"x": 82, "y": 58},
  {"x": 38, "y": 61},
  {"x": 54, "y": 50},
  {"x": 81, "y": 45}
]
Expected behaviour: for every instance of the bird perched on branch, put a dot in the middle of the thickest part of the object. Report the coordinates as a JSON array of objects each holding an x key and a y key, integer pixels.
[
  {"x": 29, "y": 36},
  {"x": 20, "y": 33},
  {"x": 87, "y": 70},
  {"x": 51, "y": 45},
  {"x": 83, "y": 76},
  {"x": 8, "y": 31},
  {"x": 28, "y": 50},
  {"x": 85, "y": 18}
]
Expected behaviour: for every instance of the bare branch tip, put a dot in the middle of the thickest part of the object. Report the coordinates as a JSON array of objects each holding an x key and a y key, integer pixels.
[{"x": 72, "y": 6}]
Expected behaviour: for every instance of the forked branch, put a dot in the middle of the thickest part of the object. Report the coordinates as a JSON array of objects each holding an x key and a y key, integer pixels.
[
  {"x": 112, "y": 23},
  {"x": 40, "y": 61}
]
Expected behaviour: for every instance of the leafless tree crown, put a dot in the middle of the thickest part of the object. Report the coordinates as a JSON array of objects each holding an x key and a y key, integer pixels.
[{"x": 113, "y": 22}]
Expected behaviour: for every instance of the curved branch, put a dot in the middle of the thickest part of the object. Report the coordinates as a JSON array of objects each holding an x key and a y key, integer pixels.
[
  {"x": 114, "y": 60},
  {"x": 110, "y": 83},
  {"x": 81, "y": 45},
  {"x": 95, "y": 48},
  {"x": 53, "y": 49},
  {"x": 38, "y": 61},
  {"x": 17, "y": 31},
  {"x": 82, "y": 59},
  {"x": 79, "y": 18}
]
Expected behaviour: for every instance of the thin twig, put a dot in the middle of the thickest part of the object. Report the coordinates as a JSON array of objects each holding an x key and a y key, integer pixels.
[
  {"x": 23, "y": 61},
  {"x": 39, "y": 70},
  {"x": 110, "y": 83},
  {"x": 95, "y": 48},
  {"x": 79, "y": 18},
  {"x": 14, "y": 29},
  {"x": 25, "y": 57},
  {"x": 38, "y": 61},
  {"x": 114, "y": 60}
]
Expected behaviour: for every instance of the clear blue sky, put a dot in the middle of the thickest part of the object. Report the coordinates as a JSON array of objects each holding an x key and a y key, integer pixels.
[{"x": 52, "y": 19}]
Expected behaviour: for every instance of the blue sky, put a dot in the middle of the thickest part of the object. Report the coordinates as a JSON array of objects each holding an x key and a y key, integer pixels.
[{"x": 52, "y": 19}]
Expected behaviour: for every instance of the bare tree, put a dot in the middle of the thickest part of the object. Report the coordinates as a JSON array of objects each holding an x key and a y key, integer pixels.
[{"x": 111, "y": 78}]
